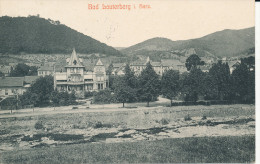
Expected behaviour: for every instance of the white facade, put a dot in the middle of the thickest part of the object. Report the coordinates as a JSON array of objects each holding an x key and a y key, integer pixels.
[
  {"x": 45, "y": 70},
  {"x": 11, "y": 91},
  {"x": 76, "y": 79},
  {"x": 158, "y": 67}
]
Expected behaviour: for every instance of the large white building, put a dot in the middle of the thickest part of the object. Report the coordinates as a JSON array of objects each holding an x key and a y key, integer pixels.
[
  {"x": 140, "y": 65},
  {"x": 76, "y": 78}
]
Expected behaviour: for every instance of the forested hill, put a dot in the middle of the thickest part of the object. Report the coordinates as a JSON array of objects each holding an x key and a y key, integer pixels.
[
  {"x": 225, "y": 43},
  {"x": 38, "y": 35}
]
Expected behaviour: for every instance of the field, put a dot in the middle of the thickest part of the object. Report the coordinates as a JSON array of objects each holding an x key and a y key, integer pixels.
[{"x": 218, "y": 133}]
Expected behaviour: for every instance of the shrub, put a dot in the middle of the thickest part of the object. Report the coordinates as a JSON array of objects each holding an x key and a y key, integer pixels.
[
  {"x": 88, "y": 94},
  {"x": 63, "y": 98},
  {"x": 38, "y": 125},
  {"x": 103, "y": 96},
  {"x": 101, "y": 125},
  {"x": 187, "y": 118},
  {"x": 193, "y": 96}
]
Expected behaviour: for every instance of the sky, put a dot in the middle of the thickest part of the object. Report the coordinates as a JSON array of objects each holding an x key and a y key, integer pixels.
[{"x": 173, "y": 19}]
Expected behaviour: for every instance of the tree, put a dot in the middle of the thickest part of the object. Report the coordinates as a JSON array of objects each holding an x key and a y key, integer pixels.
[
  {"x": 63, "y": 98},
  {"x": 42, "y": 87},
  {"x": 20, "y": 70},
  {"x": 109, "y": 69},
  {"x": 103, "y": 96},
  {"x": 23, "y": 70},
  {"x": 243, "y": 80},
  {"x": 130, "y": 77},
  {"x": 192, "y": 84},
  {"x": 55, "y": 98},
  {"x": 220, "y": 80},
  {"x": 170, "y": 84},
  {"x": 29, "y": 98},
  {"x": 123, "y": 92},
  {"x": 193, "y": 61},
  {"x": 72, "y": 98},
  {"x": 2, "y": 74},
  {"x": 32, "y": 71},
  {"x": 111, "y": 79},
  {"x": 149, "y": 84},
  {"x": 125, "y": 86}
]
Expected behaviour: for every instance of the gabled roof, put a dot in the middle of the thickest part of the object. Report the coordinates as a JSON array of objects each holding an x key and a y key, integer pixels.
[
  {"x": 117, "y": 65},
  {"x": 170, "y": 63},
  {"x": 45, "y": 68},
  {"x": 99, "y": 63},
  {"x": 156, "y": 64},
  {"x": 11, "y": 81},
  {"x": 30, "y": 79},
  {"x": 138, "y": 63},
  {"x": 74, "y": 60}
]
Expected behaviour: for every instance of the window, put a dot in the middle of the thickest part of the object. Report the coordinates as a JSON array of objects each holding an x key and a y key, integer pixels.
[{"x": 6, "y": 91}]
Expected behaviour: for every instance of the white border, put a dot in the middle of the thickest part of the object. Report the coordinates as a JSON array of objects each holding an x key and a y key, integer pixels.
[{"x": 257, "y": 77}]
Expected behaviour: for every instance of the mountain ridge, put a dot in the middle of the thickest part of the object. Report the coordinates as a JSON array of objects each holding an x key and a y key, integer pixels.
[{"x": 222, "y": 43}]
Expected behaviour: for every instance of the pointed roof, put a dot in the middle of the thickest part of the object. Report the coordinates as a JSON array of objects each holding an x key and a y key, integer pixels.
[
  {"x": 99, "y": 63},
  {"x": 148, "y": 59},
  {"x": 74, "y": 61}
]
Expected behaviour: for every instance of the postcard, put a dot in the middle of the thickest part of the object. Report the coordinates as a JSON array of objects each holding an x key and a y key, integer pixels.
[{"x": 127, "y": 81}]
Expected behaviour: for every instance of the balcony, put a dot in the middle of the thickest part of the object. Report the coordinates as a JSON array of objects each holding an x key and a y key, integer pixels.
[
  {"x": 88, "y": 82},
  {"x": 75, "y": 82},
  {"x": 61, "y": 82}
]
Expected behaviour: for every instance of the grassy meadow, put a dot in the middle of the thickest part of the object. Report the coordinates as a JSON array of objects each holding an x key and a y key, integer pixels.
[{"x": 180, "y": 150}]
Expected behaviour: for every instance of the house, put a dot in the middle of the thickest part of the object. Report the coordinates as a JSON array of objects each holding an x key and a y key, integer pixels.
[
  {"x": 77, "y": 78},
  {"x": 139, "y": 66},
  {"x": 45, "y": 70},
  {"x": 118, "y": 69},
  {"x": 6, "y": 69},
  {"x": 10, "y": 86}
]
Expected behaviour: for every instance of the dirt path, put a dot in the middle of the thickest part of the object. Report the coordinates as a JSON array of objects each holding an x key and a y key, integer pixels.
[{"x": 81, "y": 108}]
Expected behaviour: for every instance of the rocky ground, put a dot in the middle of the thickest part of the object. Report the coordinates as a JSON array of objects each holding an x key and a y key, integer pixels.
[{"x": 110, "y": 125}]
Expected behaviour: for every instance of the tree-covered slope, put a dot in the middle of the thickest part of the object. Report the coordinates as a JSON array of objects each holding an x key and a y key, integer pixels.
[{"x": 38, "y": 35}]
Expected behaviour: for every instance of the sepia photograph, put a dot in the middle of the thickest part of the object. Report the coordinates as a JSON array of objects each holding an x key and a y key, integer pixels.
[{"x": 127, "y": 81}]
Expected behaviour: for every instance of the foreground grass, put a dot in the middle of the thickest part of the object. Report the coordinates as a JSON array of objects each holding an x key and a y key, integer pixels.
[{"x": 236, "y": 149}]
